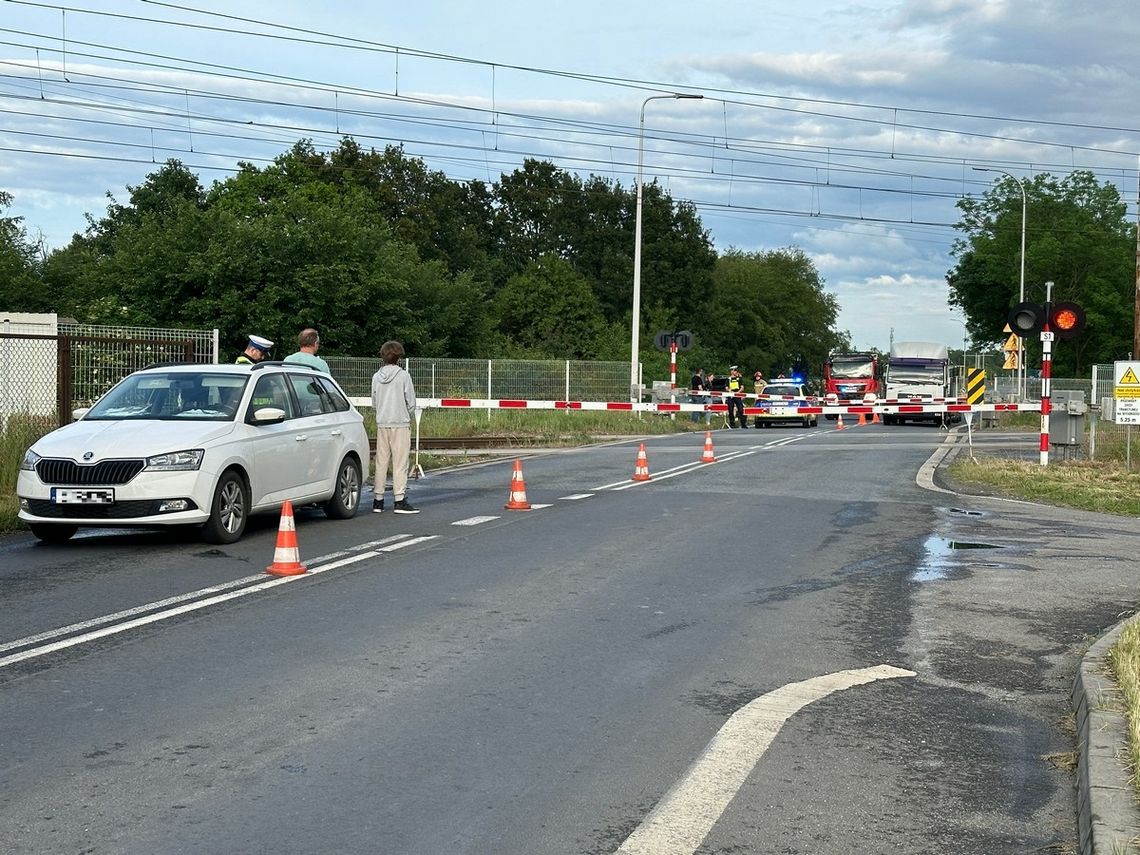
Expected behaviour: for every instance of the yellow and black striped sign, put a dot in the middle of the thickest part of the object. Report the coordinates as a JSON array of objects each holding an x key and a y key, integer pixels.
[{"x": 975, "y": 385}]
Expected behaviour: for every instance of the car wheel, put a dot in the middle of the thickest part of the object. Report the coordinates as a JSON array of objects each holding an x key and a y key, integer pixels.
[
  {"x": 52, "y": 532},
  {"x": 807, "y": 423},
  {"x": 346, "y": 497},
  {"x": 229, "y": 510}
]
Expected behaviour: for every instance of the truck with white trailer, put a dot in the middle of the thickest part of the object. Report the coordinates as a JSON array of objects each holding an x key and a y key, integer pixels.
[{"x": 917, "y": 372}]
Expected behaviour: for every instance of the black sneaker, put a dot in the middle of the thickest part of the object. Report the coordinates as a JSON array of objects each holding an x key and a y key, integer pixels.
[
  {"x": 403, "y": 506},
  {"x": 378, "y": 507}
]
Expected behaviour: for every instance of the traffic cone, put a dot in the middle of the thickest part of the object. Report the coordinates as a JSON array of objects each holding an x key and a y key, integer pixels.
[
  {"x": 875, "y": 420},
  {"x": 708, "y": 456},
  {"x": 286, "y": 557},
  {"x": 839, "y": 422},
  {"x": 641, "y": 469},
  {"x": 862, "y": 420},
  {"x": 517, "y": 500}
]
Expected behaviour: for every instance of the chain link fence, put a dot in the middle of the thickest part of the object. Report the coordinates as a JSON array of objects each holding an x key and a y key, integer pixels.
[
  {"x": 531, "y": 379},
  {"x": 47, "y": 369}
]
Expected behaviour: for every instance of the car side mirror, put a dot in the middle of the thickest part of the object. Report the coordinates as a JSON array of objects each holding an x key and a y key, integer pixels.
[
  {"x": 268, "y": 416},
  {"x": 79, "y": 412}
]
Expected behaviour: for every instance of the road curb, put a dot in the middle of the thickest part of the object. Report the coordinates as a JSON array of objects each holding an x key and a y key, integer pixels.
[{"x": 1108, "y": 817}]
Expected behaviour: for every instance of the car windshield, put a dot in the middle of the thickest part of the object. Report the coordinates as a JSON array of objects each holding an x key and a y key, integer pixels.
[
  {"x": 783, "y": 391},
  {"x": 173, "y": 396},
  {"x": 852, "y": 369}
]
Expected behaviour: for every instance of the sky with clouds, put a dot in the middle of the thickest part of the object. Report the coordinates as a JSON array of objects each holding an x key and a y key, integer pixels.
[{"x": 847, "y": 129}]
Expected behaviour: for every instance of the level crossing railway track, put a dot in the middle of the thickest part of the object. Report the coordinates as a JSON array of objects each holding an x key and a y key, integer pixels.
[{"x": 472, "y": 443}]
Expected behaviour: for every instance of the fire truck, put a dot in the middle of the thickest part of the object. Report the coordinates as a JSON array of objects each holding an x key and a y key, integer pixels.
[{"x": 850, "y": 376}]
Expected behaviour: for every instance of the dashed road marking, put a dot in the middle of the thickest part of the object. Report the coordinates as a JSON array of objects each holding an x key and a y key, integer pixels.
[
  {"x": 193, "y": 601},
  {"x": 475, "y": 520}
]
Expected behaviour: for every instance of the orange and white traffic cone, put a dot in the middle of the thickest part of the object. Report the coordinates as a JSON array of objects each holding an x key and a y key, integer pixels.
[
  {"x": 517, "y": 500},
  {"x": 839, "y": 422},
  {"x": 641, "y": 468},
  {"x": 708, "y": 456},
  {"x": 286, "y": 556},
  {"x": 862, "y": 420},
  {"x": 875, "y": 420}
]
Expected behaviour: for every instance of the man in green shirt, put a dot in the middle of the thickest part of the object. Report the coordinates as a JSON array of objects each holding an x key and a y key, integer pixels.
[{"x": 309, "y": 342}]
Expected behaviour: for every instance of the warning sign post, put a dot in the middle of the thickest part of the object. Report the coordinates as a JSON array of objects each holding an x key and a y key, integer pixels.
[{"x": 1126, "y": 391}]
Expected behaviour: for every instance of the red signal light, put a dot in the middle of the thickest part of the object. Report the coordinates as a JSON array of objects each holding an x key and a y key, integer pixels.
[{"x": 1066, "y": 319}]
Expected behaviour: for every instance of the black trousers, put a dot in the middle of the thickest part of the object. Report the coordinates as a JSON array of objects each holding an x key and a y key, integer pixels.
[{"x": 736, "y": 406}]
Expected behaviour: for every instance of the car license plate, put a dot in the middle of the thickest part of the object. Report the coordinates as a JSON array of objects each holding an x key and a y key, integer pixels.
[{"x": 71, "y": 496}]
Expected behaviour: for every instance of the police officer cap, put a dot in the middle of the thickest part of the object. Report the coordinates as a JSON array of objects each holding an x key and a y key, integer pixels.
[
  {"x": 734, "y": 368},
  {"x": 260, "y": 343}
]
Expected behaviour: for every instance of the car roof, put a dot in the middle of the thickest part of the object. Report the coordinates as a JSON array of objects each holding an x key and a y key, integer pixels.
[
  {"x": 226, "y": 367},
  {"x": 783, "y": 384},
  {"x": 192, "y": 367}
]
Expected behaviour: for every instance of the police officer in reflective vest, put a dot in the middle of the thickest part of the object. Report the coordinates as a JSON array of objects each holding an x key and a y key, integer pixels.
[
  {"x": 256, "y": 351},
  {"x": 735, "y": 405}
]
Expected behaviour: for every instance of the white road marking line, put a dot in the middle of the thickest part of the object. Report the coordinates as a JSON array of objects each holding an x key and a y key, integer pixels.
[
  {"x": 537, "y": 507},
  {"x": 179, "y": 598},
  {"x": 474, "y": 520},
  {"x": 686, "y": 814},
  {"x": 575, "y": 497},
  {"x": 354, "y": 549},
  {"x": 403, "y": 543},
  {"x": 683, "y": 469},
  {"x": 187, "y": 607},
  {"x": 127, "y": 613}
]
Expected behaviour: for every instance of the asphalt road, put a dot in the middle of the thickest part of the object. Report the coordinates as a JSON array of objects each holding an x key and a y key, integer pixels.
[{"x": 799, "y": 649}]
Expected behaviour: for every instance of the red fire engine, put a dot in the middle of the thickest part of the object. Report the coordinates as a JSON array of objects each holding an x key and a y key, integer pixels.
[{"x": 850, "y": 376}]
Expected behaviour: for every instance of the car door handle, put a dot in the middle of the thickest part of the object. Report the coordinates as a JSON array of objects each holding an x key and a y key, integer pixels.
[
  {"x": 336, "y": 432},
  {"x": 302, "y": 437}
]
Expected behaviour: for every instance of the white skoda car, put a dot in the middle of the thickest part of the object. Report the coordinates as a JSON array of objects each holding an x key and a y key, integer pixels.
[{"x": 200, "y": 445}]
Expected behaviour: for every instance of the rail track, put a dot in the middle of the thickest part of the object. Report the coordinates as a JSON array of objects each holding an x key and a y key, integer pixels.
[{"x": 474, "y": 443}]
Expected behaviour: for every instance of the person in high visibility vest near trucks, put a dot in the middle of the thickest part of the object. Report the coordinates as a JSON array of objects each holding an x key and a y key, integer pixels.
[{"x": 735, "y": 405}]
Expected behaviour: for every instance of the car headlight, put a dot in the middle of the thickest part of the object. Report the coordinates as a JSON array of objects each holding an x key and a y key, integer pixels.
[
  {"x": 177, "y": 461},
  {"x": 30, "y": 460}
]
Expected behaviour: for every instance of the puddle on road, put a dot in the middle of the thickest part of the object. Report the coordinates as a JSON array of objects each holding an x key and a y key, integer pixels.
[{"x": 939, "y": 558}]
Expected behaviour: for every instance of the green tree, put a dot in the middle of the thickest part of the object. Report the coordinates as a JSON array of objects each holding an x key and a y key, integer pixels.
[
  {"x": 542, "y": 210},
  {"x": 268, "y": 251},
  {"x": 1077, "y": 236},
  {"x": 19, "y": 266},
  {"x": 548, "y": 310},
  {"x": 770, "y": 312},
  {"x": 444, "y": 220}
]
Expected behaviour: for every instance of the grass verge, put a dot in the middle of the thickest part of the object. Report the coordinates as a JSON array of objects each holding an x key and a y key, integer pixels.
[
  {"x": 1124, "y": 657},
  {"x": 1106, "y": 486}
]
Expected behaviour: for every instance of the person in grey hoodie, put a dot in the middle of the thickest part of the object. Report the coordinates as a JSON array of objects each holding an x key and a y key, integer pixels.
[{"x": 394, "y": 401}]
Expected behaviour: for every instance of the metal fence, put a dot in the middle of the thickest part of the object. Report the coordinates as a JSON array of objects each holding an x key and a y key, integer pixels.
[
  {"x": 44, "y": 375},
  {"x": 533, "y": 379}
]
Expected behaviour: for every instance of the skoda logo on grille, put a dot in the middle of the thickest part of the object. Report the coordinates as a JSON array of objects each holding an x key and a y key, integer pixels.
[{"x": 87, "y": 455}]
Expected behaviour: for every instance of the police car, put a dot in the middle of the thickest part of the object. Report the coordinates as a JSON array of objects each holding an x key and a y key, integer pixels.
[
  {"x": 201, "y": 445},
  {"x": 780, "y": 401}
]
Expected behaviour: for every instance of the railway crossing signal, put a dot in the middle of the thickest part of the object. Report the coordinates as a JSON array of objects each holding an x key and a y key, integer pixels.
[{"x": 1065, "y": 319}]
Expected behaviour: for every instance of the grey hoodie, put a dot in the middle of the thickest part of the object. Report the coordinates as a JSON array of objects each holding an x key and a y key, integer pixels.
[{"x": 393, "y": 397}]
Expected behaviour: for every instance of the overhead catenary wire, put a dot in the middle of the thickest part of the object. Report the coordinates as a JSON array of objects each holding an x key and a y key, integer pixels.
[{"x": 534, "y": 134}]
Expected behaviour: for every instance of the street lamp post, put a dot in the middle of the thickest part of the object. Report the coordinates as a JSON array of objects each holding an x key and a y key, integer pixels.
[
  {"x": 962, "y": 384},
  {"x": 634, "y": 343},
  {"x": 1021, "y": 293}
]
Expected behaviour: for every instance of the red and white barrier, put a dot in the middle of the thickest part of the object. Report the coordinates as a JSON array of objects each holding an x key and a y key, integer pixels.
[{"x": 889, "y": 406}]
